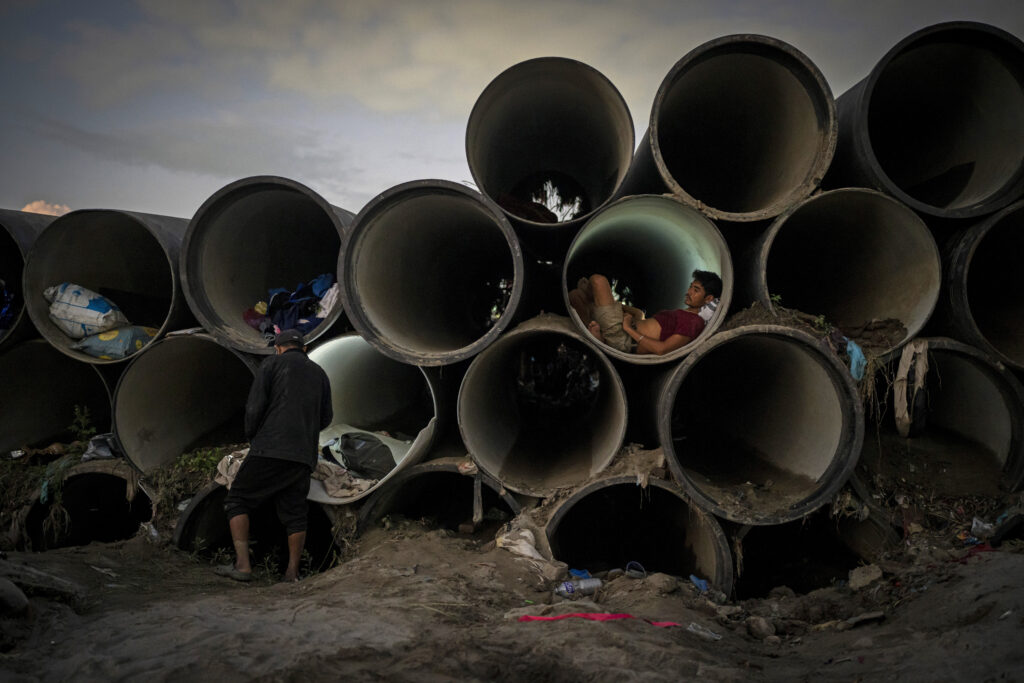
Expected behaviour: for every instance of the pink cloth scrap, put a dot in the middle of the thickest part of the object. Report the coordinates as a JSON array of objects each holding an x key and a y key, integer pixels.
[{"x": 595, "y": 616}]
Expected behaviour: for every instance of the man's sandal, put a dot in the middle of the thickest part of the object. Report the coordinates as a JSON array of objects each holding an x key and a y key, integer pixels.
[{"x": 230, "y": 572}]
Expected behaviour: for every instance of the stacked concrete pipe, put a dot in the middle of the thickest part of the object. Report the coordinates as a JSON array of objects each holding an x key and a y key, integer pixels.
[
  {"x": 761, "y": 424},
  {"x": 18, "y": 232},
  {"x": 42, "y": 389},
  {"x": 939, "y": 122},
  {"x": 130, "y": 257},
  {"x": 183, "y": 392},
  {"x": 556, "y": 447},
  {"x": 853, "y": 255},
  {"x": 554, "y": 119},
  {"x": 613, "y": 521},
  {"x": 742, "y": 127},
  {"x": 431, "y": 272},
  {"x": 652, "y": 243},
  {"x": 251, "y": 236},
  {"x": 374, "y": 394}
]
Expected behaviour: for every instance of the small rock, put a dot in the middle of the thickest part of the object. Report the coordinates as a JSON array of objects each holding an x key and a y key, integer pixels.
[
  {"x": 781, "y": 592},
  {"x": 773, "y": 640},
  {"x": 615, "y": 573},
  {"x": 12, "y": 600},
  {"x": 863, "y": 643},
  {"x": 727, "y": 611},
  {"x": 760, "y": 628},
  {"x": 864, "y": 576},
  {"x": 663, "y": 583}
]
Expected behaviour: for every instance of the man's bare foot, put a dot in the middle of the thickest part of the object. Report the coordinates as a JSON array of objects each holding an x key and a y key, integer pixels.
[
  {"x": 583, "y": 284},
  {"x": 595, "y": 330}
]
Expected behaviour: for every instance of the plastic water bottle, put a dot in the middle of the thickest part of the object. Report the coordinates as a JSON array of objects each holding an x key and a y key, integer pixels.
[{"x": 577, "y": 587}]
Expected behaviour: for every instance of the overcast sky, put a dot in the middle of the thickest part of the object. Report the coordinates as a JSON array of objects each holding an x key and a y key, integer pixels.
[{"x": 154, "y": 105}]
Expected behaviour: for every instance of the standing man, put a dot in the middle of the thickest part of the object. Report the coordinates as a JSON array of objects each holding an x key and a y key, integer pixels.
[{"x": 289, "y": 404}]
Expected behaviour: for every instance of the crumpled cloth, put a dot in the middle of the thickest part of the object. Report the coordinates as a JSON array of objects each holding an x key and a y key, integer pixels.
[
  {"x": 596, "y": 616},
  {"x": 338, "y": 481},
  {"x": 227, "y": 468},
  {"x": 914, "y": 353}
]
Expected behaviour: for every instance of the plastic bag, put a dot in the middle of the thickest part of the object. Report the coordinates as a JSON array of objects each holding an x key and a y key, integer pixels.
[
  {"x": 81, "y": 312},
  {"x": 116, "y": 344},
  {"x": 364, "y": 455}
]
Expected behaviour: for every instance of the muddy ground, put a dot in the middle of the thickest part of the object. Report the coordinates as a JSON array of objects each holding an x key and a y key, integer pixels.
[{"x": 414, "y": 603}]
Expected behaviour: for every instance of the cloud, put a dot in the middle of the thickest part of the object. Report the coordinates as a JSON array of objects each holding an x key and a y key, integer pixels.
[{"x": 44, "y": 207}]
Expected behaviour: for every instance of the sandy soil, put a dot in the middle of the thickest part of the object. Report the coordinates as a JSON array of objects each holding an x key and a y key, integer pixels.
[{"x": 411, "y": 603}]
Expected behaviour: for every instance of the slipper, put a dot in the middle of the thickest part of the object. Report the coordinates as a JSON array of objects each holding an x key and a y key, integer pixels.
[{"x": 229, "y": 571}]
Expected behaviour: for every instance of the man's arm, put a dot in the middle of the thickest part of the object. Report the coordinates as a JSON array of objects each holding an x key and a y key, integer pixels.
[
  {"x": 326, "y": 407},
  {"x": 256, "y": 405}
]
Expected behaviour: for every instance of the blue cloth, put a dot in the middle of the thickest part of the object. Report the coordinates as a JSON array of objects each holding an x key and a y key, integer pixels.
[
  {"x": 857, "y": 360},
  {"x": 700, "y": 583}
]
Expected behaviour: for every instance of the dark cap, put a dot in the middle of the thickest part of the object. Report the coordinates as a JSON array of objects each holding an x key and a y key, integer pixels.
[{"x": 288, "y": 337}]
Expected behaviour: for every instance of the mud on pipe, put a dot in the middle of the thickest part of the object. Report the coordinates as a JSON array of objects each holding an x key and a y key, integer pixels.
[
  {"x": 131, "y": 258},
  {"x": 542, "y": 408},
  {"x": 18, "y": 231},
  {"x": 550, "y": 140},
  {"x": 742, "y": 127},
  {"x": 760, "y": 425},
  {"x": 939, "y": 122},
  {"x": 431, "y": 272}
]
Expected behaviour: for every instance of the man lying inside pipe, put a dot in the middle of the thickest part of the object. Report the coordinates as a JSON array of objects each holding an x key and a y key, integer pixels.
[
  {"x": 626, "y": 329},
  {"x": 289, "y": 405}
]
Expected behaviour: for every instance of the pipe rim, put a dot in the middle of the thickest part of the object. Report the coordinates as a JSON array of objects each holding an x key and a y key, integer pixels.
[{"x": 21, "y": 230}]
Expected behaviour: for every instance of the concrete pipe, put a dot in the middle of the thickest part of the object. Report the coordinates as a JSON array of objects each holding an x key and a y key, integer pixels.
[
  {"x": 18, "y": 232},
  {"x": 130, "y": 258},
  {"x": 42, "y": 390},
  {"x": 183, "y": 393},
  {"x": 939, "y": 122},
  {"x": 760, "y": 425},
  {"x": 649, "y": 245},
  {"x": 102, "y": 501},
  {"x": 853, "y": 255},
  {"x": 431, "y": 272},
  {"x": 251, "y": 236},
  {"x": 542, "y": 408},
  {"x": 550, "y": 140},
  {"x": 983, "y": 302},
  {"x": 439, "y": 491},
  {"x": 742, "y": 128},
  {"x": 400, "y": 404},
  {"x": 613, "y": 521},
  {"x": 966, "y": 435},
  {"x": 202, "y": 528}
]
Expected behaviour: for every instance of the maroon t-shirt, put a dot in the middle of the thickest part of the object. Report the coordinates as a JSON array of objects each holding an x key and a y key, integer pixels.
[{"x": 679, "y": 322}]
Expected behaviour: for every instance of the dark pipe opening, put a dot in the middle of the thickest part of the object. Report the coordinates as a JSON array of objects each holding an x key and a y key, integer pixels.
[
  {"x": 205, "y": 531},
  {"x": 804, "y": 555},
  {"x": 993, "y": 286},
  {"x": 11, "y": 265},
  {"x": 97, "y": 510}
]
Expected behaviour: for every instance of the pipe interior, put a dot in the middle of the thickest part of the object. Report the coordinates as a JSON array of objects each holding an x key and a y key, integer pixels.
[
  {"x": 549, "y": 120},
  {"x": 12, "y": 263},
  {"x": 183, "y": 393},
  {"x": 756, "y": 423},
  {"x": 206, "y": 533},
  {"x": 97, "y": 510},
  {"x": 962, "y": 432},
  {"x": 744, "y": 130},
  {"x": 621, "y": 523},
  {"x": 993, "y": 289},
  {"x": 804, "y": 555},
  {"x": 855, "y": 257},
  {"x": 444, "y": 500},
  {"x": 373, "y": 392},
  {"x": 111, "y": 253},
  {"x": 539, "y": 411},
  {"x": 432, "y": 270},
  {"x": 649, "y": 246},
  {"x": 41, "y": 388},
  {"x": 254, "y": 239},
  {"x": 946, "y": 119}
]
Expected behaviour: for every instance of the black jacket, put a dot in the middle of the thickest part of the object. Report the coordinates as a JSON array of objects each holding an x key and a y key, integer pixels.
[{"x": 289, "y": 404}]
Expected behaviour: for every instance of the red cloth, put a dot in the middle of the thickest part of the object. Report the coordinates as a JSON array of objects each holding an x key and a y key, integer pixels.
[
  {"x": 679, "y": 322},
  {"x": 595, "y": 616}
]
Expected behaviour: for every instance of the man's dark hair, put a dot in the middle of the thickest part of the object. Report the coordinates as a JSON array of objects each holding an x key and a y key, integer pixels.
[{"x": 711, "y": 282}]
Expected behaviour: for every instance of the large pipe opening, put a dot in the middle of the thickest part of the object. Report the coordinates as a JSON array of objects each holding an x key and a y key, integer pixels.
[
  {"x": 432, "y": 272},
  {"x": 252, "y": 236},
  {"x": 855, "y": 256},
  {"x": 130, "y": 258},
  {"x": 41, "y": 391},
  {"x": 541, "y": 408},
  {"x": 649, "y": 245},
  {"x": 549, "y": 140},
  {"x": 203, "y": 529},
  {"x": 760, "y": 426},
  {"x": 184, "y": 392},
  {"x": 373, "y": 393},
  {"x": 613, "y": 522},
  {"x": 939, "y": 122},
  {"x": 965, "y": 435},
  {"x": 742, "y": 127},
  {"x": 18, "y": 231}
]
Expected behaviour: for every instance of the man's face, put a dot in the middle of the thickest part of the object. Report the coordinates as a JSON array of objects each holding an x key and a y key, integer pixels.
[{"x": 696, "y": 296}]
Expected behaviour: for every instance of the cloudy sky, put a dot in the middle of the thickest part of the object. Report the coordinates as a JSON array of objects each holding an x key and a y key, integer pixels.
[{"x": 150, "y": 105}]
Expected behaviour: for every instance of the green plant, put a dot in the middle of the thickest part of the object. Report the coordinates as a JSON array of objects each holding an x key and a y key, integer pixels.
[
  {"x": 82, "y": 428},
  {"x": 823, "y": 325},
  {"x": 776, "y": 299}
]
